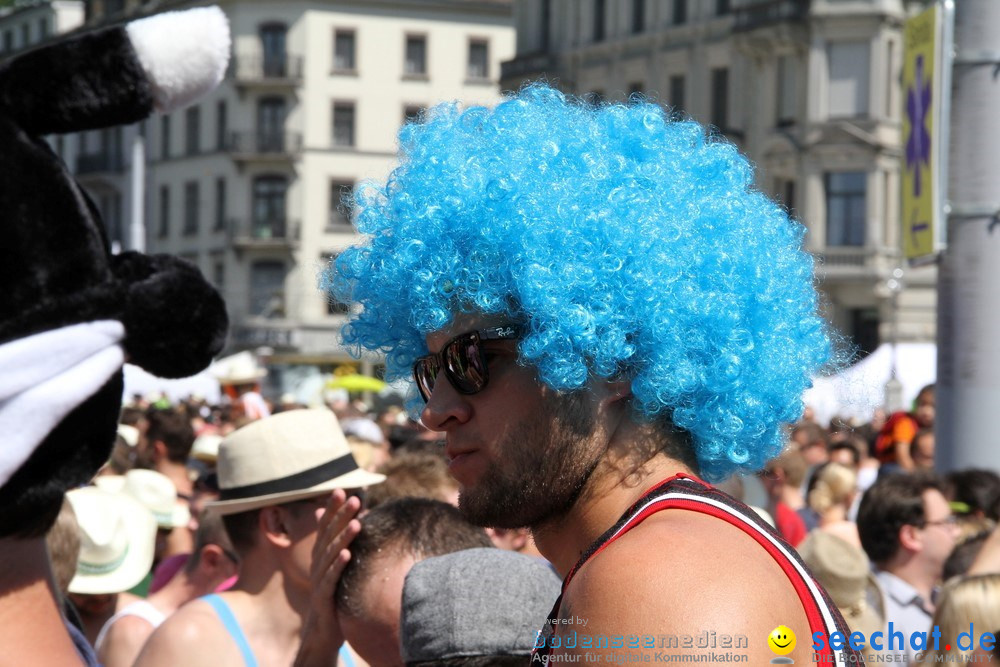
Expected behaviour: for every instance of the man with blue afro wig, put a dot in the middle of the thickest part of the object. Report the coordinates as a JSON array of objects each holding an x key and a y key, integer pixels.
[{"x": 597, "y": 309}]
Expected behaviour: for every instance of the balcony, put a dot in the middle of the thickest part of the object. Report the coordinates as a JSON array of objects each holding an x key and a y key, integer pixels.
[
  {"x": 763, "y": 14},
  {"x": 529, "y": 66},
  {"x": 250, "y": 336},
  {"x": 102, "y": 162},
  {"x": 849, "y": 262},
  {"x": 273, "y": 71},
  {"x": 275, "y": 234},
  {"x": 264, "y": 146}
]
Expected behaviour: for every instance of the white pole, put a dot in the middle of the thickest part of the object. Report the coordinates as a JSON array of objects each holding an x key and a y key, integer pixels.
[
  {"x": 137, "y": 231},
  {"x": 968, "y": 387}
]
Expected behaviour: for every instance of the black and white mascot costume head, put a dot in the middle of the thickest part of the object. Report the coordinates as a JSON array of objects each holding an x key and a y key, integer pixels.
[{"x": 71, "y": 313}]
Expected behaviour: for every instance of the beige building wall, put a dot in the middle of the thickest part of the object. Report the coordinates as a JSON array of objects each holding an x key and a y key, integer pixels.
[
  {"x": 246, "y": 183},
  {"x": 812, "y": 97}
]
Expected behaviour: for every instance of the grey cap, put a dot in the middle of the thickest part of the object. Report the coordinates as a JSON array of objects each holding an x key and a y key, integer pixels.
[{"x": 476, "y": 602}]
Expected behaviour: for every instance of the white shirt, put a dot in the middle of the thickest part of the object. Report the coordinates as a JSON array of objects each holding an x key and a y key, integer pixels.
[{"x": 906, "y": 610}]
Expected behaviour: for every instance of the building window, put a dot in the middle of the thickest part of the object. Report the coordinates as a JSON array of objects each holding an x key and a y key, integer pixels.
[
  {"x": 165, "y": 137},
  {"x": 8, "y": 41},
  {"x": 111, "y": 211},
  {"x": 787, "y": 95},
  {"x": 343, "y": 124},
  {"x": 25, "y": 35},
  {"x": 845, "y": 208},
  {"x": 191, "y": 207},
  {"x": 272, "y": 42},
  {"x": 638, "y": 16},
  {"x": 43, "y": 28},
  {"x": 192, "y": 131},
  {"x": 220, "y": 204},
  {"x": 411, "y": 113},
  {"x": 344, "y": 51},
  {"x": 784, "y": 191},
  {"x": 269, "y": 207},
  {"x": 164, "y": 211},
  {"x": 267, "y": 289},
  {"x": 720, "y": 98},
  {"x": 864, "y": 329},
  {"x": 722, "y": 7},
  {"x": 271, "y": 125},
  {"x": 600, "y": 12},
  {"x": 416, "y": 56},
  {"x": 677, "y": 93},
  {"x": 545, "y": 25},
  {"x": 333, "y": 306},
  {"x": 478, "y": 66},
  {"x": 680, "y": 14},
  {"x": 340, "y": 195},
  {"x": 848, "y": 67},
  {"x": 221, "y": 125},
  {"x": 219, "y": 274}
]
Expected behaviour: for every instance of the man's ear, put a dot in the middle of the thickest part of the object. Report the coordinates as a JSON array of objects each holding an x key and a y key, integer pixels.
[
  {"x": 159, "y": 450},
  {"x": 212, "y": 556},
  {"x": 274, "y": 526},
  {"x": 617, "y": 391},
  {"x": 910, "y": 539}
]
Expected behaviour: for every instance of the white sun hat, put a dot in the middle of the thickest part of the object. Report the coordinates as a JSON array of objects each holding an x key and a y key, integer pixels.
[
  {"x": 117, "y": 540},
  {"x": 290, "y": 456},
  {"x": 240, "y": 368},
  {"x": 157, "y": 494}
]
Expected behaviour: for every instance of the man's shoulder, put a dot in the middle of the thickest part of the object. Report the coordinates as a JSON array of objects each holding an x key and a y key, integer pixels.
[
  {"x": 124, "y": 639},
  {"x": 678, "y": 546},
  {"x": 679, "y": 561},
  {"x": 194, "y": 630},
  {"x": 683, "y": 573},
  {"x": 128, "y": 627}
]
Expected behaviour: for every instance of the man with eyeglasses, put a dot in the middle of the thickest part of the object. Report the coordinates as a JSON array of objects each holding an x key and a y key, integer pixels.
[
  {"x": 597, "y": 308},
  {"x": 908, "y": 531}
]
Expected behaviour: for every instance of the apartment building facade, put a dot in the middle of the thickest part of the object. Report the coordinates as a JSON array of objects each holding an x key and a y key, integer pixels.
[
  {"x": 808, "y": 89},
  {"x": 251, "y": 182}
]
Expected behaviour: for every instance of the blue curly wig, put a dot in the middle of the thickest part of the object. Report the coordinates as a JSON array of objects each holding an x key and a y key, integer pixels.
[{"x": 629, "y": 243}]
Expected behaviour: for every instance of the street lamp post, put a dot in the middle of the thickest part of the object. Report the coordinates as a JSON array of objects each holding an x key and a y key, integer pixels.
[{"x": 894, "y": 388}]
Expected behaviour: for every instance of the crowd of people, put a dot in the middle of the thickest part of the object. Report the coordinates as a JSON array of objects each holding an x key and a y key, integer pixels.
[{"x": 192, "y": 576}]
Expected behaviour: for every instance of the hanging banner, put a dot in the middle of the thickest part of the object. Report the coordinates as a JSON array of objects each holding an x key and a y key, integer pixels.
[{"x": 921, "y": 174}]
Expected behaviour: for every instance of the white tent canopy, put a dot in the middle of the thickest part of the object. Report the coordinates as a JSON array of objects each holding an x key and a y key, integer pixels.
[
  {"x": 858, "y": 390},
  {"x": 138, "y": 381}
]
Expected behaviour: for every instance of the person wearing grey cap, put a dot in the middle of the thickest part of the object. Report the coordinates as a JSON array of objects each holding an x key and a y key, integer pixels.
[{"x": 502, "y": 598}]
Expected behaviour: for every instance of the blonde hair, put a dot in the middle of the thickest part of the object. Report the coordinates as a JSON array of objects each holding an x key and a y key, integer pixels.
[
  {"x": 974, "y": 599},
  {"x": 63, "y": 542},
  {"x": 835, "y": 484}
]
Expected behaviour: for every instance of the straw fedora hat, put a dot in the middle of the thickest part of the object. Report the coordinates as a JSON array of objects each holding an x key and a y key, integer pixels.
[
  {"x": 117, "y": 540},
  {"x": 844, "y": 571},
  {"x": 206, "y": 447},
  {"x": 290, "y": 456}
]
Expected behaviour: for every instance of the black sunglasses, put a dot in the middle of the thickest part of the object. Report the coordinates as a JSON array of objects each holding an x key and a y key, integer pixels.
[{"x": 463, "y": 361}]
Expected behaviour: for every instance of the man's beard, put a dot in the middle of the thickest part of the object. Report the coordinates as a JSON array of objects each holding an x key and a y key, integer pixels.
[{"x": 543, "y": 469}]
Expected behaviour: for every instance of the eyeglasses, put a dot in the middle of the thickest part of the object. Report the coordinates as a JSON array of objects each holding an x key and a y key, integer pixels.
[
  {"x": 948, "y": 522},
  {"x": 463, "y": 361}
]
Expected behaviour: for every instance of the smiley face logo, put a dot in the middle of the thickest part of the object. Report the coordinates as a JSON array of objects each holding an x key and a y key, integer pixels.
[{"x": 781, "y": 640}]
